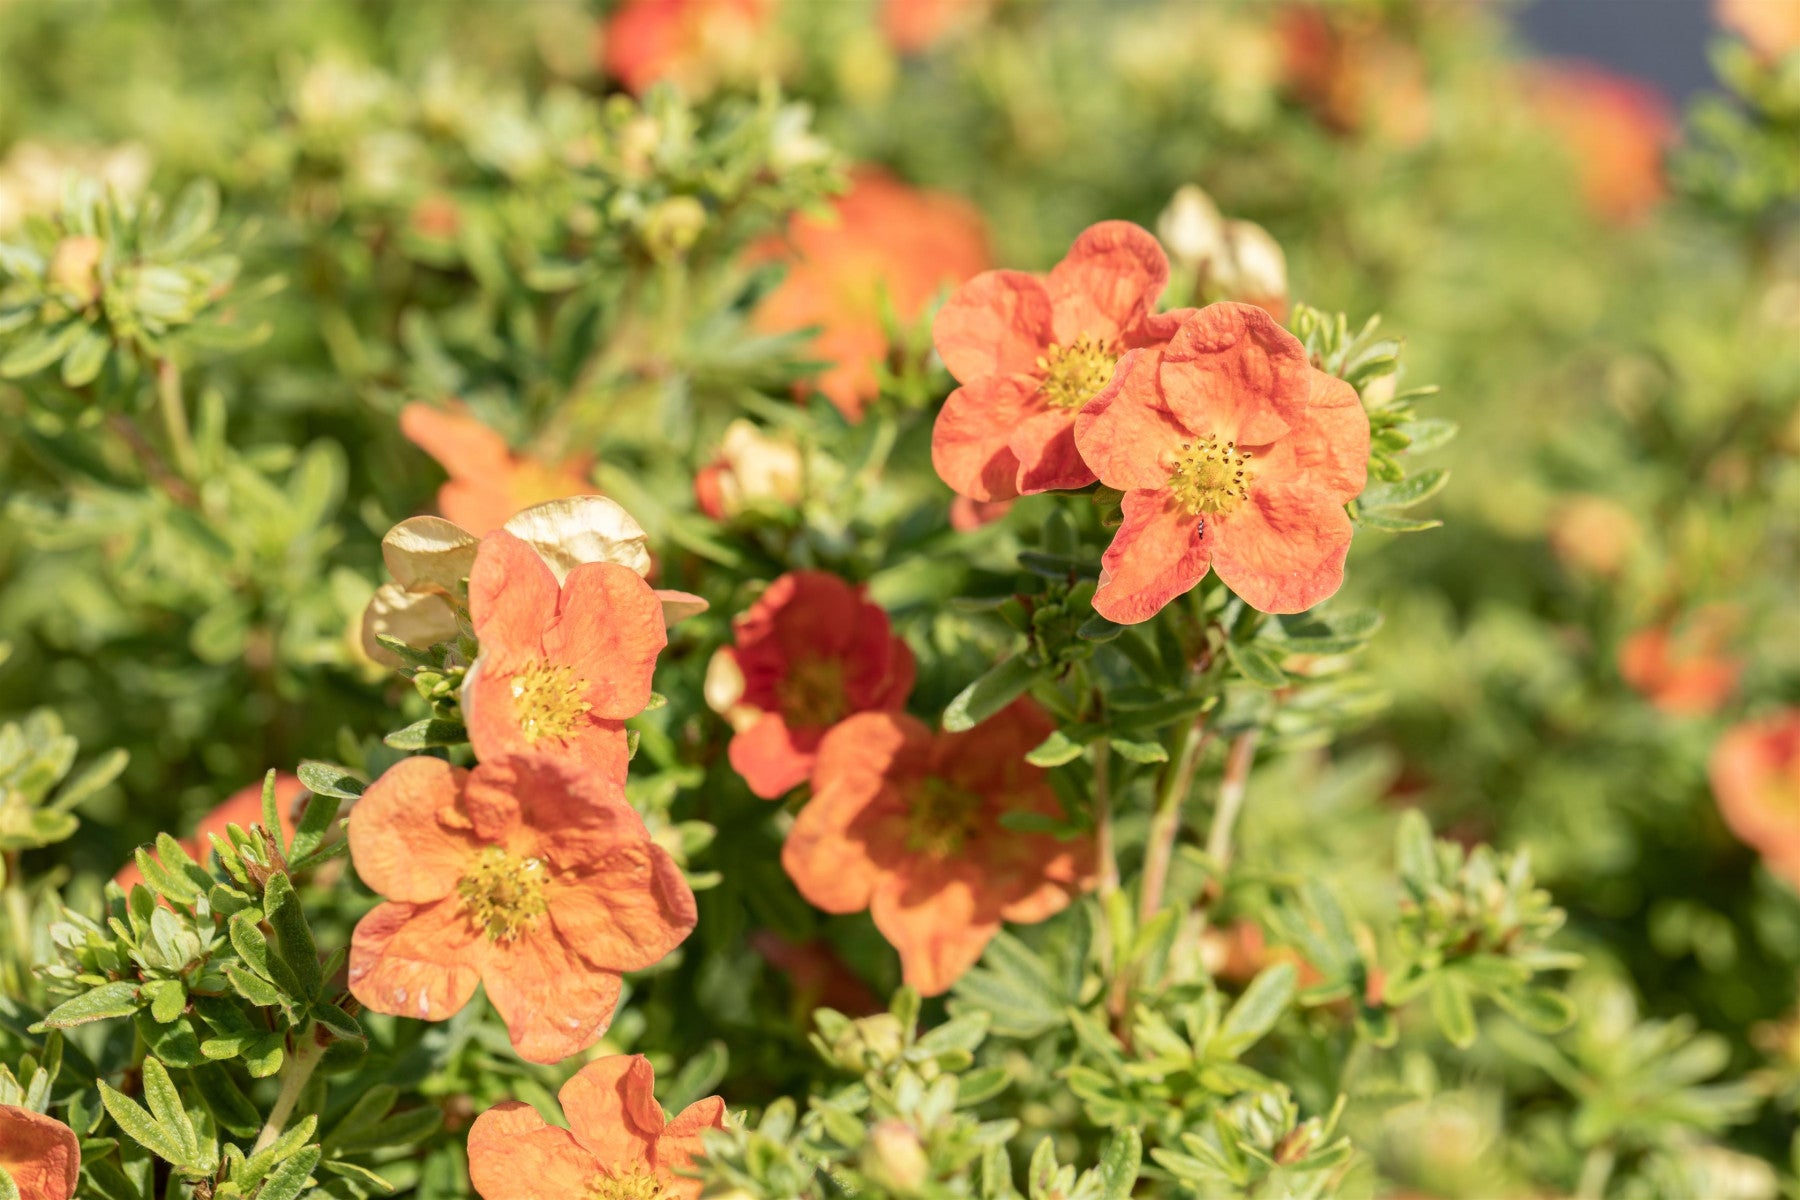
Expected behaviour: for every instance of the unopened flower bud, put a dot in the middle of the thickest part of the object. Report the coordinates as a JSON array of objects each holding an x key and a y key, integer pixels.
[
  {"x": 673, "y": 226},
  {"x": 75, "y": 268},
  {"x": 1253, "y": 268},
  {"x": 895, "y": 1157},
  {"x": 752, "y": 467},
  {"x": 1191, "y": 228},
  {"x": 878, "y": 1037}
]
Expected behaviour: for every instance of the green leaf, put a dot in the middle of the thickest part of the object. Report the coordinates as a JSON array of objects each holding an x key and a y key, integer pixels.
[
  {"x": 1386, "y": 524},
  {"x": 1415, "y": 851},
  {"x": 286, "y": 1181},
  {"x": 39, "y": 349},
  {"x": 423, "y": 735},
  {"x": 1541, "y": 1009},
  {"x": 998, "y": 688},
  {"x": 106, "y": 1002},
  {"x": 91, "y": 779},
  {"x": 1414, "y": 489},
  {"x": 1453, "y": 1010},
  {"x": 137, "y": 1124},
  {"x": 294, "y": 936},
  {"x": 1055, "y": 750},
  {"x": 1139, "y": 752},
  {"x": 1256, "y": 664},
  {"x": 1119, "y": 1165},
  {"x": 81, "y": 365},
  {"x": 328, "y": 779},
  {"x": 1256, "y": 1011}
]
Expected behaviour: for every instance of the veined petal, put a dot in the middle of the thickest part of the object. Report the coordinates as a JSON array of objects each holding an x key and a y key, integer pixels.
[
  {"x": 429, "y": 554},
  {"x": 415, "y": 961},
  {"x": 939, "y": 929},
  {"x": 1109, "y": 280},
  {"x": 997, "y": 323},
  {"x": 1049, "y": 461},
  {"x": 681, "y": 1145},
  {"x": 609, "y": 630},
  {"x": 418, "y": 619},
  {"x": 1158, "y": 553},
  {"x": 612, "y": 1110},
  {"x": 1126, "y": 434},
  {"x": 626, "y": 911},
  {"x": 40, "y": 1153},
  {"x": 565, "y": 813},
  {"x": 1283, "y": 551},
  {"x": 582, "y": 529},
  {"x": 971, "y": 443},
  {"x": 398, "y": 845},
  {"x": 773, "y": 759},
  {"x": 515, "y": 1155},
  {"x": 512, "y": 600},
  {"x": 554, "y": 1004},
  {"x": 1232, "y": 372}
]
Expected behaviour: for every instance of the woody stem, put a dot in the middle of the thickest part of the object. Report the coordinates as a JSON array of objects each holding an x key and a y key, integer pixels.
[
  {"x": 1232, "y": 787},
  {"x": 294, "y": 1078},
  {"x": 1165, "y": 825}
]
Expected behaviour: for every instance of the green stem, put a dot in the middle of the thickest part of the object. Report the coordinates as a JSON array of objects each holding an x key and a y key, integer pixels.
[
  {"x": 1103, "y": 819},
  {"x": 1165, "y": 825},
  {"x": 1596, "y": 1171},
  {"x": 294, "y": 1078},
  {"x": 1232, "y": 787},
  {"x": 175, "y": 421}
]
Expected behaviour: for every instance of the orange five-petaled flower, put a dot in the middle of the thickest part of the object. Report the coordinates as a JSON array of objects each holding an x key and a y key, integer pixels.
[
  {"x": 1756, "y": 780},
  {"x": 530, "y": 876},
  {"x": 810, "y": 652},
  {"x": 488, "y": 482},
  {"x": 905, "y": 822},
  {"x": 1234, "y": 453},
  {"x": 1030, "y": 350},
  {"x": 619, "y": 1144},
  {"x": 40, "y": 1153},
  {"x": 560, "y": 668}
]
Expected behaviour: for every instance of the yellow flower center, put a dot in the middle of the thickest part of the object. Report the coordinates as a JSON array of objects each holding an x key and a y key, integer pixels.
[
  {"x": 639, "y": 1185},
  {"x": 1075, "y": 374},
  {"x": 812, "y": 695},
  {"x": 943, "y": 818},
  {"x": 1211, "y": 476},
  {"x": 502, "y": 894},
  {"x": 547, "y": 701}
]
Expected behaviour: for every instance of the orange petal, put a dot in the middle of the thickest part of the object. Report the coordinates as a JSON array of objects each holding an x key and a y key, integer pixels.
[
  {"x": 549, "y": 806},
  {"x": 400, "y": 848},
  {"x": 1232, "y": 372},
  {"x": 971, "y": 443},
  {"x": 42, "y": 1155},
  {"x": 1283, "y": 551},
  {"x": 1158, "y": 553},
  {"x": 462, "y": 445},
  {"x": 598, "y": 744},
  {"x": 938, "y": 929},
  {"x": 772, "y": 758},
  {"x": 1126, "y": 434},
  {"x": 831, "y": 868},
  {"x": 554, "y": 1004},
  {"x": 612, "y": 1110},
  {"x": 1108, "y": 282},
  {"x": 681, "y": 1145},
  {"x": 1049, "y": 460},
  {"x": 626, "y": 911},
  {"x": 512, "y": 600},
  {"x": 1326, "y": 450},
  {"x": 608, "y": 630},
  {"x": 998, "y": 323},
  {"x": 415, "y": 961},
  {"x": 515, "y": 1155}
]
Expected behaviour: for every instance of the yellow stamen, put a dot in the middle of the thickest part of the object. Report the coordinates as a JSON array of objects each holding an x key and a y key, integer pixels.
[
  {"x": 639, "y": 1185},
  {"x": 503, "y": 895},
  {"x": 1076, "y": 373},
  {"x": 812, "y": 696},
  {"x": 547, "y": 701},
  {"x": 1211, "y": 476},
  {"x": 943, "y": 818}
]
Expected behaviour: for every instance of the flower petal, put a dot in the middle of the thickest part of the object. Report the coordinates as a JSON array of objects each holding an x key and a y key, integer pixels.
[
  {"x": 495, "y": 730},
  {"x": 1326, "y": 450},
  {"x": 831, "y": 867},
  {"x": 554, "y": 1004},
  {"x": 1233, "y": 373},
  {"x": 998, "y": 323},
  {"x": 1158, "y": 553},
  {"x": 936, "y": 924},
  {"x": 418, "y": 619},
  {"x": 515, "y": 1155},
  {"x": 42, "y": 1155},
  {"x": 429, "y": 554},
  {"x": 400, "y": 848},
  {"x": 681, "y": 1145},
  {"x": 1049, "y": 460},
  {"x": 609, "y": 630},
  {"x": 772, "y": 758},
  {"x": 464, "y": 446},
  {"x": 1108, "y": 282},
  {"x": 971, "y": 441},
  {"x": 1126, "y": 434},
  {"x": 612, "y": 1110},
  {"x": 565, "y": 813},
  {"x": 582, "y": 529},
  {"x": 626, "y": 911},
  {"x": 415, "y": 961},
  {"x": 1283, "y": 551},
  {"x": 512, "y": 600}
]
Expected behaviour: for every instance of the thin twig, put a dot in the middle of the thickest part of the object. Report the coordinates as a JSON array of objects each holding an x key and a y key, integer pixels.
[
  {"x": 1232, "y": 786},
  {"x": 175, "y": 422},
  {"x": 1165, "y": 825}
]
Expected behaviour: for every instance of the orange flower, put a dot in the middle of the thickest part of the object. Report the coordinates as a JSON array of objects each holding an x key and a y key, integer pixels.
[
  {"x": 1234, "y": 453},
  {"x": 1615, "y": 130},
  {"x": 1684, "y": 671},
  {"x": 242, "y": 808},
  {"x": 1030, "y": 350},
  {"x": 968, "y": 515},
  {"x": 1772, "y": 27},
  {"x": 694, "y": 44},
  {"x": 886, "y": 245},
  {"x": 905, "y": 822},
  {"x": 560, "y": 668},
  {"x": 913, "y": 26},
  {"x": 527, "y": 875},
  {"x": 488, "y": 482},
  {"x": 1756, "y": 781},
  {"x": 1353, "y": 74},
  {"x": 40, "y": 1153},
  {"x": 1594, "y": 535},
  {"x": 810, "y": 652},
  {"x": 619, "y": 1144}
]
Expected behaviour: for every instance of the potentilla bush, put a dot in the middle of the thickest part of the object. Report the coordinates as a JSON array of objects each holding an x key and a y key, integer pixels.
[{"x": 730, "y": 598}]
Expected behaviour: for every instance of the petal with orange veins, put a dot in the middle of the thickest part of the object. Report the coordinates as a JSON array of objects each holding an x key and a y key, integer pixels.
[
  {"x": 608, "y": 630},
  {"x": 415, "y": 961},
  {"x": 773, "y": 759},
  {"x": 1049, "y": 460},
  {"x": 971, "y": 443},
  {"x": 612, "y": 1110},
  {"x": 398, "y": 845},
  {"x": 998, "y": 323},
  {"x": 1231, "y": 372},
  {"x": 830, "y": 865},
  {"x": 1326, "y": 452},
  {"x": 1109, "y": 280},
  {"x": 939, "y": 929},
  {"x": 515, "y": 1155},
  {"x": 462, "y": 445},
  {"x": 626, "y": 911},
  {"x": 554, "y": 1004},
  {"x": 42, "y": 1155},
  {"x": 681, "y": 1145},
  {"x": 1126, "y": 434},
  {"x": 1283, "y": 551},
  {"x": 512, "y": 600},
  {"x": 1158, "y": 553},
  {"x": 553, "y": 808}
]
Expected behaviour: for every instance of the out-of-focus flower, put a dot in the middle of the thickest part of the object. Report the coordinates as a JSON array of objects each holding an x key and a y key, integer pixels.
[
  {"x": 698, "y": 45},
  {"x": 619, "y": 1145},
  {"x": 1353, "y": 74},
  {"x": 40, "y": 1153},
  {"x": 967, "y": 515},
  {"x": 751, "y": 468},
  {"x": 913, "y": 26},
  {"x": 1594, "y": 535},
  {"x": 1234, "y": 454},
  {"x": 562, "y": 666},
  {"x": 1771, "y": 27},
  {"x": 810, "y": 652},
  {"x": 1615, "y": 130},
  {"x": 895, "y": 1157},
  {"x": 429, "y": 559},
  {"x": 815, "y": 975},
  {"x": 1682, "y": 667},
  {"x": 1030, "y": 350},
  {"x": 886, "y": 246},
  {"x": 1231, "y": 260},
  {"x": 905, "y": 822},
  {"x": 242, "y": 808},
  {"x": 1756, "y": 781},
  {"x": 527, "y": 875},
  {"x": 488, "y": 483},
  {"x": 34, "y": 174}
]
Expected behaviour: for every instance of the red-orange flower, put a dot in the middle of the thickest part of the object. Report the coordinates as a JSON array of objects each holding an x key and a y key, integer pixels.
[
  {"x": 242, "y": 808},
  {"x": 815, "y": 975},
  {"x": 695, "y": 44},
  {"x": 1235, "y": 454},
  {"x": 619, "y": 1144},
  {"x": 968, "y": 515},
  {"x": 40, "y": 1153},
  {"x": 1756, "y": 781},
  {"x": 1771, "y": 27},
  {"x": 905, "y": 822},
  {"x": 1030, "y": 350},
  {"x": 488, "y": 482},
  {"x": 1353, "y": 74},
  {"x": 530, "y": 876},
  {"x": 560, "y": 668},
  {"x": 1683, "y": 669},
  {"x": 1615, "y": 130},
  {"x": 811, "y": 651},
  {"x": 913, "y": 26},
  {"x": 885, "y": 245}
]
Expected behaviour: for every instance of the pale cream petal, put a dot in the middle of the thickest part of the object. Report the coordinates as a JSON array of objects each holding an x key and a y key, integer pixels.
[
  {"x": 582, "y": 529},
  {"x": 418, "y": 619},
  {"x": 429, "y": 554}
]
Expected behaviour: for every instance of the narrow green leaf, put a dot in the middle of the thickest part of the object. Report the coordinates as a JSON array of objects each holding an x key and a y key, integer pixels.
[
  {"x": 294, "y": 936},
  {"x": 999, "y": 687},
  {"x": 1256, "y": 664},
  {"x": 106, "y": 1002},
  {"x": 1257, "y": 1010},
  {"x": 423, "y": 735}
]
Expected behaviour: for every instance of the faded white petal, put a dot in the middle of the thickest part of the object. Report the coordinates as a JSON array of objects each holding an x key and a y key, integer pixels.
[
  {"x": 582, "y": 529},
  {"x": 429, "y": 554},
  {"x": 418, "y": 619}
]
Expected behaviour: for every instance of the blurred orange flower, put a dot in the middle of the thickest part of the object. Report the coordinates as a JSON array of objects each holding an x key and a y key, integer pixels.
[
  {"x": 886, "y": 246},
  {"x": 1594, "y": 535},
  {"x": 1682, "y": 668},
  {"x": 1030, "y": 350},
  {"x": 815, "y": 975},
  {"x": 968, "y": 515},
  {"x": 905, "y": 822},
  {"x": 527, "y": 875},
  {"x": 42, "y": 1155},
  {"x": 1235, "y": 454},
  {"x": 242, "y": 808},
  {"x": 1771, "y": 27},
  {"x": 1615, "y": 130},
  {"x": 810, "y": 652},
  {"x": 913, "y": 26},
  {"x": 619, "y": 1144},
  {"x": 1353, "y": 74},
  {"x": 694, "y": 44},
  {"x": 1756, "y": 781},
  {"x": 488, "y": 482}
]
